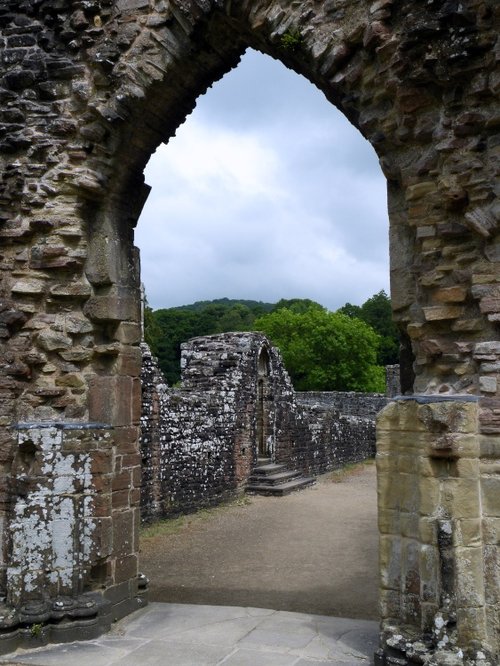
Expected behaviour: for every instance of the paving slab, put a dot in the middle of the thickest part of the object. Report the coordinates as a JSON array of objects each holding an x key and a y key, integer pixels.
[{"x": 165, "y": 634}]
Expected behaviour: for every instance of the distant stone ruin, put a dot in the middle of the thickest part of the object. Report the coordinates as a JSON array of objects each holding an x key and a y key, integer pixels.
[
  {"x": 200, "y": 442},
  {"x": 88, "y": 91}
]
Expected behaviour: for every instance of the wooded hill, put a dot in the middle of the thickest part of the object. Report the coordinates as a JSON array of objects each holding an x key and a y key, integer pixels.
[{"x": 322, "y": 350}]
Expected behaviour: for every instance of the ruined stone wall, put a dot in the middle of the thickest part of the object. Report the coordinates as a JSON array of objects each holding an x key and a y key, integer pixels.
[
  {"x": 346, "y": 402},
  {"x": 90, "y": 88},
  {"x": 187, "y": 446},
  {"x": 393, "y": 380},
  {"x": 199, "y": 443}
]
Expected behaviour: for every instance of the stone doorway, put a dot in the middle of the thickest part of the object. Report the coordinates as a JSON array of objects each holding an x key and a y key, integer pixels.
[
  {"x": 88, "y": 93},
  {"x": 264, "y": 428}
]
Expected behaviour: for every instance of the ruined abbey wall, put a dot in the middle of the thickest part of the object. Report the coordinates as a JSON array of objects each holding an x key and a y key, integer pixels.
[
  {"x": 199, "y": 442},
  {"x": 88, "y": 90}
]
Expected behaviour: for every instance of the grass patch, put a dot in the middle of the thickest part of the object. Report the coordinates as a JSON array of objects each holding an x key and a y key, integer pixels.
[
  {"x": 170, "y": 526},
  {"x": 352, "y": 469}
]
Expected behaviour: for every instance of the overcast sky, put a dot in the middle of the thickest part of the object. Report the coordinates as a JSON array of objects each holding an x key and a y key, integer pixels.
[{"x": 265, "y": 192}]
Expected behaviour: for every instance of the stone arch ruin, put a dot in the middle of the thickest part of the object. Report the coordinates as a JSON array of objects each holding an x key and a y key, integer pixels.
[{"x": 89, "y": 89}]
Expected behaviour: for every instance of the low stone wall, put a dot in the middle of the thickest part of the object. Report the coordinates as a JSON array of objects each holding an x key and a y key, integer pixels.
[
  {"x": 332, "y": 440},
  {"x": 200, "y": 442},
  {"x": 350, "y": 403}
]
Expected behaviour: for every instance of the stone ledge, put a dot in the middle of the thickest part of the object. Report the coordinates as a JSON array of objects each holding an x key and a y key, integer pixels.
[
  {"x": 61, "y": 425},
  {"x": 430, "y": 398}
]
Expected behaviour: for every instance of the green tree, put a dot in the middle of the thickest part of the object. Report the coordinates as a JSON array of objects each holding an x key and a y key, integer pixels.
[
  {"x": 298, "y": 305},
  {"x": 350, "y": 310},
  {"x": 325, "y": 351},
  {"x": 377, "y": 313},
  {"x": 152, "y": 330}
]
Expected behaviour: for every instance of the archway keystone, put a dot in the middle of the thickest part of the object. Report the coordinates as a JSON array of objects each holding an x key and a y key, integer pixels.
[{"x": 88, "y": 91}]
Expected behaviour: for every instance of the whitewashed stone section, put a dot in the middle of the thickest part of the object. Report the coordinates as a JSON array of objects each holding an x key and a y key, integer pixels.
[{"x": 53, "y": 526}]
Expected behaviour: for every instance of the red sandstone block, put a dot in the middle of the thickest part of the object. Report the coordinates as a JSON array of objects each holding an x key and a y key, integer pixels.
[
  {"x": 103, "y": 541},
  {"x": 123, "y": 533},
  {"x": 127, "y": 439},
  {"x": 121, "y": 499},
  {"x": 126, "y": 568},
  {"x": 101, "y": 462},
  {"x": 110, "y": 400},
  {"x": 122, "y": 481},
  {"x": 102, "y": 483},
  {"x": 135, "y": 497},
  {"x": 102, "y": 505},
  {"x": 129, "y": 362},
  {"x": 136, "y": 406},
  {"x": 131, "y": 460},
  {"x": 136, "y": 476}
]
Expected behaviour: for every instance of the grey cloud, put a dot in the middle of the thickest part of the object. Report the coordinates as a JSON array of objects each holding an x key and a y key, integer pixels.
[{"x": 323, "y": 235}]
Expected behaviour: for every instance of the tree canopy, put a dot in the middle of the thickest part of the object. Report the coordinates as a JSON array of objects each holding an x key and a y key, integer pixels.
[
  {"x": 377, "y": 313},
  {"x": 312, "y": 339},
  {"x": 325, "y": 351}
]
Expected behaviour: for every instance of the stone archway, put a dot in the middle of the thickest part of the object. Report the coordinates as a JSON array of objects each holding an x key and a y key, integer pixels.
[{"x": 88, "y": 91}]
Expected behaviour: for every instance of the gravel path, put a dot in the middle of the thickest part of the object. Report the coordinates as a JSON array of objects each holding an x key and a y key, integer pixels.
[{"x": 314, "y": 551}]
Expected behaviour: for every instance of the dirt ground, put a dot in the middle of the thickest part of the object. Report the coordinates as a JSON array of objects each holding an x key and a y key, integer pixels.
[{"x": 314, "y": 551}]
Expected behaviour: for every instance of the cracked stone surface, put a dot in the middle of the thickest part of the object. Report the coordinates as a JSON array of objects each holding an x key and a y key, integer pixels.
[{"x": 197, "y": 635}]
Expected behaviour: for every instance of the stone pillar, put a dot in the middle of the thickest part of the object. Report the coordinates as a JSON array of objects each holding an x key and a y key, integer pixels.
[
  {"x": 64, "y": 542},
  {"x": 439, "y": 508}
]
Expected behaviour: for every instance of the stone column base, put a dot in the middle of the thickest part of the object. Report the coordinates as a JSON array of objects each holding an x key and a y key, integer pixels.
[{"x": 67, "y": 619}]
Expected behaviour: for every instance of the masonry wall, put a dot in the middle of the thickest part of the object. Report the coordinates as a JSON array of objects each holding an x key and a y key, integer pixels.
[
  {"x": 199, "y": 443},
  {"x": 366, "y": 405}
]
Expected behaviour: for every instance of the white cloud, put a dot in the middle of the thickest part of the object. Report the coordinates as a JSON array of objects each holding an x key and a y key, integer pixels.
[{"x": 264, "y": 196}]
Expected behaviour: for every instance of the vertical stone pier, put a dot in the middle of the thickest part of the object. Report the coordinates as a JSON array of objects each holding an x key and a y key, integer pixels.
[
  {"x": 64, "y": 573},
  {"x": 439, "y": 521}
]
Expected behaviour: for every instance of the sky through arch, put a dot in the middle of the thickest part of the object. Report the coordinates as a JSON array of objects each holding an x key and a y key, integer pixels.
[{"x": 265, "y": 192}]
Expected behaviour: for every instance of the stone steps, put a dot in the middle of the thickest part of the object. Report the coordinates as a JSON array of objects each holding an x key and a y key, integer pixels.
[{"x": 276, "y": 479}]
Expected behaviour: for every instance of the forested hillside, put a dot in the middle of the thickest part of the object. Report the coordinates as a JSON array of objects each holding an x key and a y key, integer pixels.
[{"x": 322, "y": 350}]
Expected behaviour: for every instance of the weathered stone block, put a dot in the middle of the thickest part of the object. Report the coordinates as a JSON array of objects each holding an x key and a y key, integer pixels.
[
  {"x": 73, "y": 290},
  {"x": 429, "y": 569},
  {"x": 123, "y": 533},
  {"x": 471, "y": 625},
  {"x": 390, "y": 562},
  {"x": 123, "y": 305},
  {"x": 468, "y": 532},
  {"x": 491, "y": 531},
  {"x": 490, "y": 494},
  {"x": 29, "y": 287},
  {"x": 128, "y": 333},
  {"x": 389, "y": 521},
  {"x": 51, "y": 340},
  {"x": 442, "y": 312},
  {"x": 110, "y": 400},
  {"x": 126, "y": 568},
  {"x": 451, "y": 294},
  {"x": 488, "y": 384},
  {"x": 129, "y": 362},
  {"x": 428, "y": 530},
  {"x": 462, "y": 498}
]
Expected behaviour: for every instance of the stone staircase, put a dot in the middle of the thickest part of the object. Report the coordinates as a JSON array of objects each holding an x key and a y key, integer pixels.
[{"x": 270, "y": 478}]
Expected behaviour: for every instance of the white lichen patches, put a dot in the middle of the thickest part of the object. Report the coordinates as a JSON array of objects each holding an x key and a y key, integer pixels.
[
  {"x": 63, "y": 524},
  {"x": 52, "y": 526},
  {"x": 30, "y": 540}
]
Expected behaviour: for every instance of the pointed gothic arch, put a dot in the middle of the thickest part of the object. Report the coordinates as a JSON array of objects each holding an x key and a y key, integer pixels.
[{"x": 88, "y": 95}]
